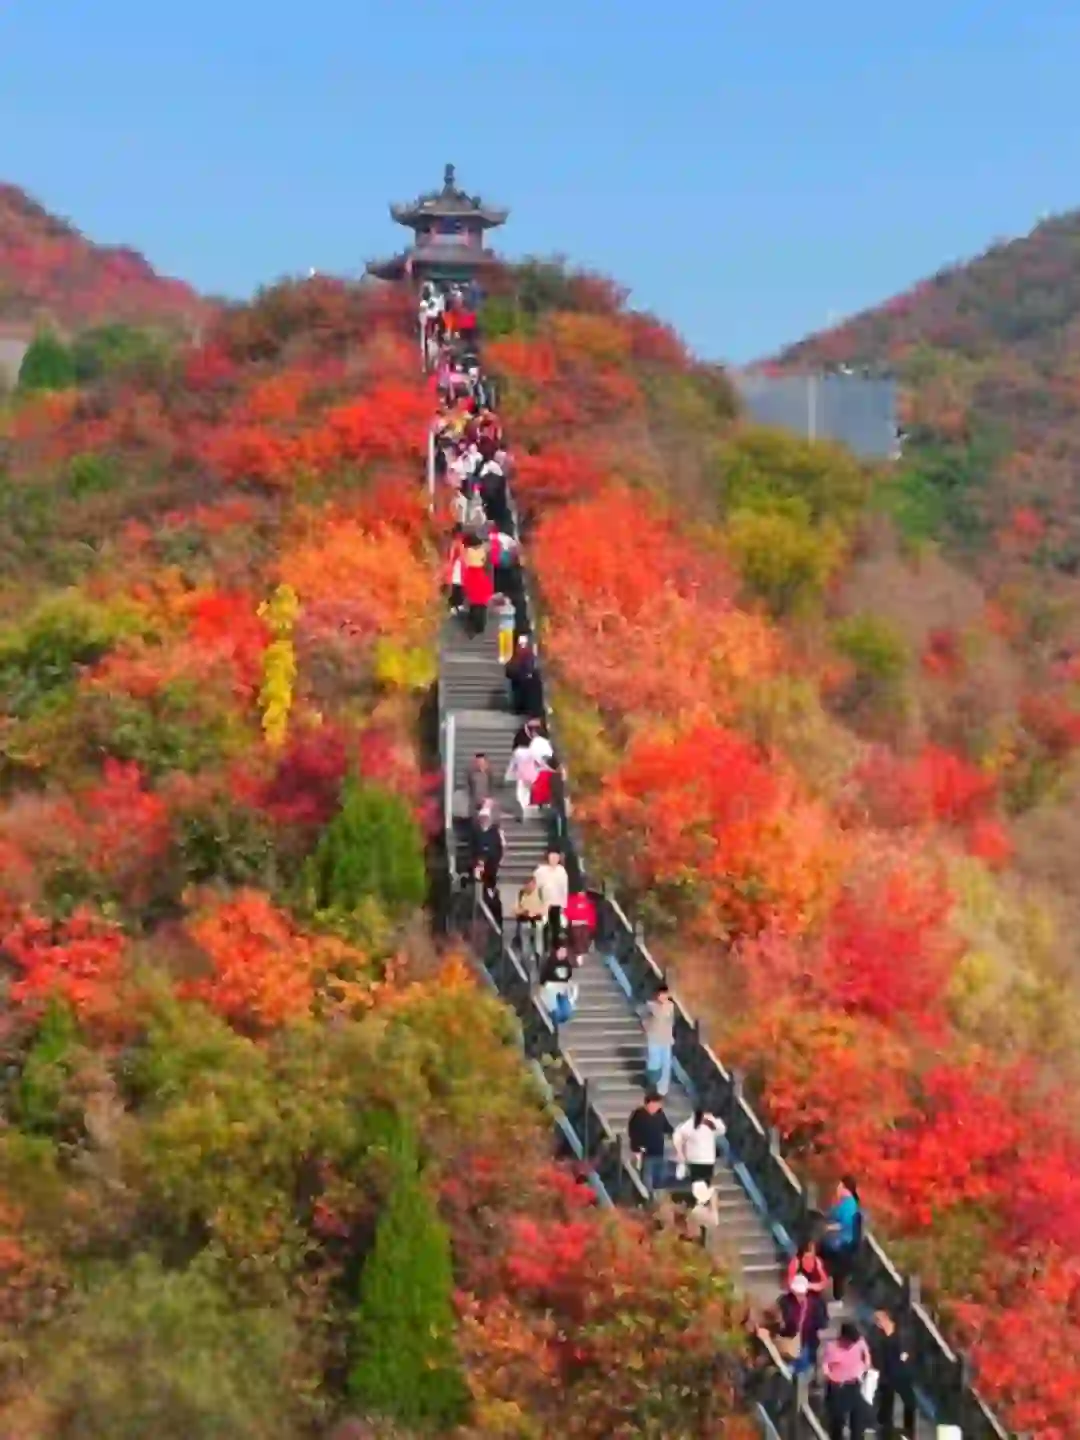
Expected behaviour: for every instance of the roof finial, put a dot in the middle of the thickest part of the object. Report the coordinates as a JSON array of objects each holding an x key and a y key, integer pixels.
[{"x": 448, "y": 178}]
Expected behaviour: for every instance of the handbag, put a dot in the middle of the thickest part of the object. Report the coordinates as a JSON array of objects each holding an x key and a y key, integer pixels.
[
  {"x": 869, "y": 1385},
  {"x": 789, "y": 1346}
]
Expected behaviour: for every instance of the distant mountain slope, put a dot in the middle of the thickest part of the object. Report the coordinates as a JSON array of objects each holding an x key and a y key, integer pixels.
[
  {"x": 989, "y": 353},
  {"x": 50, "y": 271}
]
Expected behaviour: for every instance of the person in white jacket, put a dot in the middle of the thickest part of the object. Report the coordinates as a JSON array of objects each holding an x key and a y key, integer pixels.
[
  {"x": 554, "y": 885},
  {"x": 695, "y": 1145},
  {"x": 523, "y": 770}
]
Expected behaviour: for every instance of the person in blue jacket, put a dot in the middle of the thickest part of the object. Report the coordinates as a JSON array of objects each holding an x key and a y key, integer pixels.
[{"x": 843, "y": 1234}]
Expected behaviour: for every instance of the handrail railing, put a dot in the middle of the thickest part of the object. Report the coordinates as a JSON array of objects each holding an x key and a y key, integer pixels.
[
  {"x": 789, "y": 1205},
  {"x": 942, "y": 1376}
]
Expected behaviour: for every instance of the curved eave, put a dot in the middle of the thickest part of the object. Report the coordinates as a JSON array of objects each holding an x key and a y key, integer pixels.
[{"x": 414, "y": 214}]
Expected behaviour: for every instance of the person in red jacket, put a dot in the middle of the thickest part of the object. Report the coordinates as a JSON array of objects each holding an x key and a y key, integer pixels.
[
  {"x": 479, "y": 590},
  {"x": 581, "y": 918}
]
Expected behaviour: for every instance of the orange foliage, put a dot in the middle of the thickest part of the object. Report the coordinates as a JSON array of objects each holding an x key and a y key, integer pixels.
[
  {"x": 262, "y": 969},
  {"x": 704, "y": 814},
  {"x": 363, "y": 583}
]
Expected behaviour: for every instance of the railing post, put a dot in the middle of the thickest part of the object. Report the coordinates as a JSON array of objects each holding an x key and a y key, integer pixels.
[
  {"x": 737, "y": 1082},
  {"x": 774, "y": 1141},
  {"x": 585, "y": 1120},
  {"x": 912, "y": 1291}
]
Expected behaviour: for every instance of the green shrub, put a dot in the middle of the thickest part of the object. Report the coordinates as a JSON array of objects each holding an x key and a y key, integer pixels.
[
  {"x": 168, "y": 1354},
  {"x": 47, "y": 1070},
  {"x": 42, "y": 653},
  {"x": 880, "y": 657},
  {"x": 179, "y": 728},
  {"x": 874, "y": 647},
  {"x": 371, "y": 851},
  {"x": 47, "y": 365},
  {"x": 91, "y": 474},
  {"x": 405, "y": 1365},
  {"x": 759, "y": 468}
]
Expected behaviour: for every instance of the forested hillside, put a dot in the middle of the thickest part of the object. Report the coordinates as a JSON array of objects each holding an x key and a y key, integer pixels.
[
  {"x": 271, "y": 1161},
  {"x": 815, "y": 757},
  {"x": 989, "y": 353},
  {"x": 50, "y": 273},
  {"x": 251, "y": 1102}
]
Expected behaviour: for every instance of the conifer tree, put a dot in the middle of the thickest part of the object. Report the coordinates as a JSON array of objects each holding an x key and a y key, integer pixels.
[
  {"x": 405, "y": 1366},
  {"x": 371, "y": 850}
]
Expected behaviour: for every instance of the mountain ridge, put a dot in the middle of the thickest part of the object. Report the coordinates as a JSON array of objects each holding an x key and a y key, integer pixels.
[{"x": 52, "y": 273}]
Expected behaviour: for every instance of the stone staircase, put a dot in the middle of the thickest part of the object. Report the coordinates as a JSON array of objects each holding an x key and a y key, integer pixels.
[{"x": 605, "y": 1038}]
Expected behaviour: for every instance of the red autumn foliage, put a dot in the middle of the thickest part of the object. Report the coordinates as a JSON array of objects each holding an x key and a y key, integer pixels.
[
  {"x": 128, "y": 830},
  {"x": 79, "y": 960},
  {"x": 48, "y": 269},
  {"x": 936, "y": 786},
  {"x": 305, "y": 787},
  {"x": 888, "y": 951}
]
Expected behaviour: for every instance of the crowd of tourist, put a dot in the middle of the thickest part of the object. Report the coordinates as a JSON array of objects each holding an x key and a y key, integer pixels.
[{"x": 866, "y": 1378}]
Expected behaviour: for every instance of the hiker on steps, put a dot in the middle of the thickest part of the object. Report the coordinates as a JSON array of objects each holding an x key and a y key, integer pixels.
[
  {"x": 802, "y": 1317},
  {"x": 695, "y": 1146},
  {"x": 703, "y": 1218},
  {"x": 807, "y": 1262},
  {"x": 478, "y": 586},
  {"x": 658, "y": 1018},
  {"x": 891, "y": 1350},
  {"x": 558, "y": 989},
  {"x": 530, "y": 916},
  {"x": 554, "y": 885},
  {"x": 581, "y": 921},
  {"x": 478, "y": 782},
  {"x": 488, "y": 849},
  {"x": 845, "y": 1363},
  {"x": 842, "y": 1240},
  {"x": 521, "y": 772},
  {"x": 523, "y": 673},
  {"x": 647, "y": 1131}
]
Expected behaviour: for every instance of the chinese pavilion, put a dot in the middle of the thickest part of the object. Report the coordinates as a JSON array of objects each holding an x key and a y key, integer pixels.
[{"x": 448, "y": 227}]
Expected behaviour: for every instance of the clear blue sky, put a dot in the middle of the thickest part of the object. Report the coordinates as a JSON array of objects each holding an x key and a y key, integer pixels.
[{"x": 747, "y": 169}]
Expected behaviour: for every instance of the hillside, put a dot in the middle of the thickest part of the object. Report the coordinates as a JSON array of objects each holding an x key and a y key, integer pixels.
[
  {"x": 250, "y": 1098},
  {"x": 989, "y": 353},
  {"x": 813, "y": 760},
  {"x": 268, "y": 1151},
  {"x": 49, "y": 272}
]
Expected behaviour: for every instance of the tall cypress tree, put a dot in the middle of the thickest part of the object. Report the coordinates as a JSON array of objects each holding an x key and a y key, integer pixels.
[{"x": 405, "y": 1364}]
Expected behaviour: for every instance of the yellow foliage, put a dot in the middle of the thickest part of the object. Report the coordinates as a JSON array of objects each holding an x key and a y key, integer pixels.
[
  {"x": 782, "y": 559},
  {"x": 400, "y": 668},
  {"x": 279, "y": 665},
  {"x": 1007, "y": 990},
  {"x": 784, "y": 712}
]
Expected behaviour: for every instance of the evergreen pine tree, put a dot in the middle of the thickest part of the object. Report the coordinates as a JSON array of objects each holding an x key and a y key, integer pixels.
[
  {"x": 47, "y": 364},
  {"x": 371, "y": 850},
  {"x": 405, "y": 1365}
]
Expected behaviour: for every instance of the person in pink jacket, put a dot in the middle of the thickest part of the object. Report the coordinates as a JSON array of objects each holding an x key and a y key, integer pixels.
[{"x": 844, "y": 1363}]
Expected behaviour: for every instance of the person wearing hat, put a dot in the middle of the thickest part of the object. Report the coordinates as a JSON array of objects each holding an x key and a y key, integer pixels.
[{"x": 803, "y": 1316}]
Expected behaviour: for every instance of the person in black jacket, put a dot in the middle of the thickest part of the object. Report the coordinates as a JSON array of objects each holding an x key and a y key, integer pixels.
[
  {"x": 488, "y": 848},
  {"x": 892, "y": 1358},
  {"x": 647, "y": 1131},
  {"x": 523, "y": 673}
]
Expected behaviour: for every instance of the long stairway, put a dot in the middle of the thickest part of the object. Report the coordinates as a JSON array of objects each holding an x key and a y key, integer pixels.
[
  {"x": 605, "y": 1039},
  {"x": 599, "y": 1059}
]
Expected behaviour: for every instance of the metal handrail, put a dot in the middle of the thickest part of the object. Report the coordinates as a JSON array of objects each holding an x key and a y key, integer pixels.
[{"x": 767, "y": 1176}]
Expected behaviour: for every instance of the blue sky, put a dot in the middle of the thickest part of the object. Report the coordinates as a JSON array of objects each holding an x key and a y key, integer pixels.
[{"x": 747, "y": 169}]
